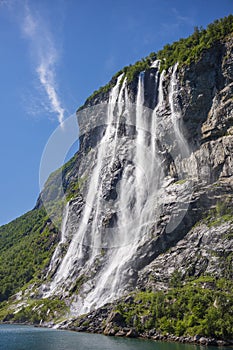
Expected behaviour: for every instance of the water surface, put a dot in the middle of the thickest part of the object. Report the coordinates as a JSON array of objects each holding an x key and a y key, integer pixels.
[{"x": 14, "y": 337}]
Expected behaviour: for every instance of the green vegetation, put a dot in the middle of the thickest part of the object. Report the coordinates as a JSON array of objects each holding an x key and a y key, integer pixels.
[
  {"x": 74, "y": 188},
  {"x": 27, "y": 243},
  {"x": 203, "y": 306},
  {"x": 181, "y": 182},
  {"x": 134, "y": 70},
  {"x": 185, "y": 51},
  {"x": 131, "y": 72},
  {"x": 35, "y": 311},
  {"x": 190, "y": 49},
  {"x": 220, "y": 214},
  {"x": 26, "y": 246},
  {"x": 77, "y": 285}
]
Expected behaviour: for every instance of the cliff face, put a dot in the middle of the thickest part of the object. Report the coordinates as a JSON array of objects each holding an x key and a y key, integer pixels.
[
  {"x": 148, "y": 196},
  {"x": 155, "y": 185},
  {"x": 205, "y": 97}
]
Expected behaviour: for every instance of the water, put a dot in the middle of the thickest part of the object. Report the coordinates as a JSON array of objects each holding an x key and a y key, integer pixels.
[
  {"x": 176, "y": 116},
  {"x": 56, "y": 255},
  {"x": 13, "y": 337},
  {"x": 108, "y": 255}
]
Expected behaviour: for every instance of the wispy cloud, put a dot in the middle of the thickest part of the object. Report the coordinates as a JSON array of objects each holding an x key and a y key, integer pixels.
[
  {"x": 3, "y": 2},
  {"x": 44, "y": 55},
  {"x": 110, "y": 63},
  {"x": 177, "y": 22},
  {"x": 182, "y": 19}
]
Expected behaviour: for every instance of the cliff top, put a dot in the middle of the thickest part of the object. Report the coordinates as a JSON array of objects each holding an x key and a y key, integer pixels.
[{"x": 184, "y": 51}]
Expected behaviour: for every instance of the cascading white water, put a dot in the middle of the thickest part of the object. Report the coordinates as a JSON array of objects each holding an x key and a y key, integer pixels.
[
  {"x": 75, "y": 251},
  {"x": 158, "y": 82},
  {"x": 176, "y": 112},
  {"x": 57, "y": 252},
  {"x": 134, "y": 200},
  {"x": 136, "y": 206},
  {"x": 136, "y": 214},
  {"x": 180, "y": 150}
]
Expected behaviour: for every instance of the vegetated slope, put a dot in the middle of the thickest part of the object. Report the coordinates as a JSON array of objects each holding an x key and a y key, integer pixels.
[
  {"x": 28, "y": 242},
  {"x": 205, "y": 95}
]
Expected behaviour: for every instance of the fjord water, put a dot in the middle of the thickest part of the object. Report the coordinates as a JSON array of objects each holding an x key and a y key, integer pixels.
[{"x": 14, "y": 337}]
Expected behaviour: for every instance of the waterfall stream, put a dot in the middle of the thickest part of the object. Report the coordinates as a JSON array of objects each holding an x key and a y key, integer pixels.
[
  {"x": 134, "y": 210},
  {"x": 176, "y": 112}
]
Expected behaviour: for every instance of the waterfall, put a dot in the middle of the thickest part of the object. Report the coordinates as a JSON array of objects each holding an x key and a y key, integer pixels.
[
  {"x": 176, "y": 113},
  {"x": 82, "y": 238},
  {"x": 137, "y": 193},
  {"x": 56, "y": 255},
  {"x": 64, "y": 221},
  {"x": 141, "y": 129},
  {"x": 107, "y": 283},
  {"x": 120, "y": 105},
  {"x": 158, "y": 86},
  {"x": 127, "y": 162},
  {"x": 181, "y": 150}
]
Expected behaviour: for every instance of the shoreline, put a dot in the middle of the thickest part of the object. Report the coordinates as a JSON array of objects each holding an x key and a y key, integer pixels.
[{"x": 131, "y": 333}]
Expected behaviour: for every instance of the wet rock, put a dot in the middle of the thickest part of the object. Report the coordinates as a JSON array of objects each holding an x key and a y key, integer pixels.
[
  {"x": 132, "y": 333},
  {"x": 203, "y": 341},
  {"x": 193, "y": 185},
  {"x": 121, "y": 333},
  {"x": 152, "y": 332},
  {"x": 196, "y": 337},
  {"x": 110, "y": 331},
  {"x": 222, "y": 343}
]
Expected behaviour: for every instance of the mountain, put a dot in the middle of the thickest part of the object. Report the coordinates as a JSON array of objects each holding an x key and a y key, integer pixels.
[{"x": 142, "y": 239}]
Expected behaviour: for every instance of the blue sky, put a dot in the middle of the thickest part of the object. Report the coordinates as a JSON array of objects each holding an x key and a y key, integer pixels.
[{"x": 55, "y": 53}]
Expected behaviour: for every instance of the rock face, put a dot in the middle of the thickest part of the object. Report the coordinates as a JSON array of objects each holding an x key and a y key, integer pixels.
[{"x": 156, "y": 159}]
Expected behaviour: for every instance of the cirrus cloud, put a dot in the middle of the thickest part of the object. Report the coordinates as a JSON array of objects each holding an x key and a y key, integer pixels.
[{"x": 44, "y": 55}]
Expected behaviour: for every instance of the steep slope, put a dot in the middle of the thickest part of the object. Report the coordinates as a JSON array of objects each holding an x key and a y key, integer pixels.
[
  {"x": 176, "y": 143},
  {"x": 148, "y": 195},
  {"x": 201, "y": 245}
]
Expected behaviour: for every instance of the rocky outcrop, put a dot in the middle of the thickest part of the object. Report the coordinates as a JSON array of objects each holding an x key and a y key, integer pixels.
[
  {"x": 194, "y": 146},
  {"x": 204, "y": 250},
  {"x": 175, "y": 215},
  {"x": 111, "y": 323}
]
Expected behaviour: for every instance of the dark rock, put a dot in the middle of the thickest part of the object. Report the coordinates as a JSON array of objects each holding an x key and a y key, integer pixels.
[
  {"x": 196, "y": 337},
  {"x": 203, "y": 341},
  {"x": 152, "y": 332},
  {"x": 120, "y": 333},
  {"x": 129, "y": 299},
  {"x": 132, "y": 333},
  {"x": 110, "y": 331},
  {"x": 194, "y": 246},
  {"x": 222, "y": 343},
  {"x": 116, "y": 318}
]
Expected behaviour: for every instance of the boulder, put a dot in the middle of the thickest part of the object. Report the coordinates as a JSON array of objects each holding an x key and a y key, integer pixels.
[
  {"x": 132, "y": 333},
  {"x": 120, "y": 333}
]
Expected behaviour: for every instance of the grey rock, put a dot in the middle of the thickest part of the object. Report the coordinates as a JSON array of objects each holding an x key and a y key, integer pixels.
[
  {"x": 195, "y": 245},
  {"x": 203, "y": 341},
  {"x": 121, "y": 333},
  {"x": 116, "y": 318}
]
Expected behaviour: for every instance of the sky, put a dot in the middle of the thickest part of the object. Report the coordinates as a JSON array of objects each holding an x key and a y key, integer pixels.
[{"x": 55, "y": 53}]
